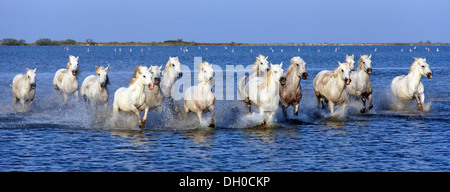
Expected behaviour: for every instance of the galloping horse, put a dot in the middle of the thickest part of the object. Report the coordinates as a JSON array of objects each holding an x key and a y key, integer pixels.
[
  {"x": 264, "y": 91},
  {"x": 23, "y": 87},
  {"x": 132, "y": 98},
  {"x": 259, "y": 68},
  {"x": 171, "y": 71},
  {"x": 409, "y": 86},
  {"x": 291, "y": 92},
  {"x": 330, "y": 86},
  {"x": 200, "y": 98},
  {"x": 361, "y": 87},
  {"x": 93, "y": 88},
  {"x": 65, "y": 80}
]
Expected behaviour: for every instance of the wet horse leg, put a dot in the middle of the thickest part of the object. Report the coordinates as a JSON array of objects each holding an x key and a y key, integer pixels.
[
  {"x": 419, "y": 104},
  {"x": 363, "y": 99}
]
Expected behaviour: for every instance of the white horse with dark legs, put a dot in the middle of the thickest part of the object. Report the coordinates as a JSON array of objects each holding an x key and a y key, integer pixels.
[
  {"x": 65, "y": 80},
  {"x": 200, "y": 98},
  {"x": 350, "y": 59},
  {"x": 264, "y": 92},
  {"x": 361, "y": 87},
  {"x": 23, "y": 88},
  {"x": 132, "y": 98},
  {"x": 93, "y": 89},
  {"x": 259, "y": 68},
  {"x": 153, "y": 97},
  {"x": 329, "y": 86},
  {"x": 171, "y": 71},
  {"x": 291, "y": 92},
  {"x": 408, "y": 87}
]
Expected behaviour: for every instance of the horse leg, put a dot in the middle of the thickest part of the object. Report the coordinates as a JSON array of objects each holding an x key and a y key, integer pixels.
[
  {"x": 296, "y": 109},
  {"x": 331, "y": 106},
  {"x": 76, "y": 95},
  {"x": 145, "y": 117},
  {"x": 212, "y": 124},
  {"x": 141, "y": 125},
  {"x": 369, "y": 97},
  {"x": 15, "y": 100},
  {"x": 199, "y": 114},
  {"x": 343, "y": 106},
  {"x": 319, "y": 100},
  {"x": 65, "y": 98},
  {"x": 419, "y": 105},
  {"x": 363, "y": 99},
  {"x": 284, "y": 111},
  {"x": 249, "y": 105}
]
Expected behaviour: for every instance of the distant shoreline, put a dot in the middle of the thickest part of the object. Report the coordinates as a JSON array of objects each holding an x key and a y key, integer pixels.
[{"x": 246, "y": 44}]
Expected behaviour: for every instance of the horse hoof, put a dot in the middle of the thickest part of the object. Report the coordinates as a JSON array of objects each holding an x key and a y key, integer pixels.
[
  {"x": 370, "y": 107},
  {"x": 419, "y": 107},
  {"x": 212, "y": 125},
  {"x": 363, "y": 110}
]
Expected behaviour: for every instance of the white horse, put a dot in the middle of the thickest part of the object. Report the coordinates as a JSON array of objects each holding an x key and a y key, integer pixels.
[
  {"x": 23, "y": 87},
  {"x": 409, "y": 86},
  {"x": 93, "y": 88},
  {"x": 132, "y": 98},
  {"x": 200, "y": 98},
  {"x": 330, "y": 86},
  {"x": 351, "y": 61},
  {"x": 361, "y": 87},
  {"x": 264, "y": 92},
  {"x": 171, "y": 71},
  {"x": 65, "y": 80},
  {"x": 259, "y": 68},
  {"x": 153, "y": 97},
  {"x": 291, "y": 92}
]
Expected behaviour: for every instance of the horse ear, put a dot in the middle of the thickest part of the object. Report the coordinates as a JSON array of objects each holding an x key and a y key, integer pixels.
[
  {"x": 78, "y": 57},
  {"x": 28, "y": 69},
  {"x": 106, "y": 69},
  {"x": 281, "y": 64},
  {"x": 34, "y": 70},
  {"x": 370, "y": 56},
  {"x": 96, "y": 68},
  {"x": 160, "y": 67},
  {"x": 425, "y": 59},
  {"x": 339, "y": 63},
  {"x": 267, "y": 57}
]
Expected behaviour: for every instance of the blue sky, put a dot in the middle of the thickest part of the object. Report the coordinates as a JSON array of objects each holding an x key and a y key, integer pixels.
[{"x": 282, "y": 21}]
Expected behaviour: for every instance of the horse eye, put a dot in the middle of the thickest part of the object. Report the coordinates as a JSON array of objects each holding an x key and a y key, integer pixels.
[
  {"x": 98, "y": 74},
  {"x": 173, "y": 65},
  {"x": 204, "y": 71},
  {"x": 342, "y": 70},
  {"x": 423, "y": 66},
  {"x": 144, "y": 76},
  {"x": 297, "y": 65}
]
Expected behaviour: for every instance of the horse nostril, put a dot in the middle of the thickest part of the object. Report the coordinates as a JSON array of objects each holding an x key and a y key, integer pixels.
[
  {"x": 305, "y": 75},
  {"x": 430, "y": 75},
  {"x": 180, "y": 74},
  {"x": 369, "y": 71}
]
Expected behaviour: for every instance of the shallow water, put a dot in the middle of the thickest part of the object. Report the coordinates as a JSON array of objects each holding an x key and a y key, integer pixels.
[{"x": 57, "y": 137}]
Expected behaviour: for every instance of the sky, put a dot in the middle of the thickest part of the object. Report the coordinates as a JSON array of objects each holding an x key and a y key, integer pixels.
[{"x": 214, "y": 21}]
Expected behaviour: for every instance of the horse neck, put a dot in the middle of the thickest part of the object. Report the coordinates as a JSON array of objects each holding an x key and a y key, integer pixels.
[
  {"x": 137, "y": 86},
  {"x": 271, "y": 84},
  {"x": 292, "y": 80},
  {"x": 415, "y": 76},
  {"x": 26, "y": 82},
  {"x": 168, "y": 77},
  {"x": 337, "y": 81}
]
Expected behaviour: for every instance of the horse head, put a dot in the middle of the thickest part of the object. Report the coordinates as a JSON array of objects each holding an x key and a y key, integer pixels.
[
  {"x": 350, "y": 60},
  {"x": 365, "y": 64},
  {"x": 31, "y": 76},
  {"x": 344, "y": 72},
  {"x": 102, "y": 76},
  {"x": 155, "y": 71},
  {"x": 423, "y": 67},
  {"x": 73, "y": 64},
  {"x": 299, "y": 66}
]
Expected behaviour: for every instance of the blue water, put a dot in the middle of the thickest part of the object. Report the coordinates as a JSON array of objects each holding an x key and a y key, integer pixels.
[{"x": 57, "y": 137}]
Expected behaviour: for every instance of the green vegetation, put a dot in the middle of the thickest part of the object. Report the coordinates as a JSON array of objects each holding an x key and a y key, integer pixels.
[{"x": 11, "y": 41}]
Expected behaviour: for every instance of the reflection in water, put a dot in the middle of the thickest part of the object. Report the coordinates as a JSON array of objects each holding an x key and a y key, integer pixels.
[
  {"x": 136, "y": 138},
  {"x": 201, "y": 136}
]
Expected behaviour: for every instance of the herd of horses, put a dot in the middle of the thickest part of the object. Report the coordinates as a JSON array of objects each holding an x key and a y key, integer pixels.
[{"x": 267, "y": 87}]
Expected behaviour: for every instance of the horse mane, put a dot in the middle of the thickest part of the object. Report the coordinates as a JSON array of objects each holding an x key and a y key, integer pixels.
[
  {"x": 361, "y": 59},
  {"x": 68, "y": 64},
  {"x": 413, "y": 65},
  {"x": 137, "y": 71},
  {"x": 168, "y": 65}
]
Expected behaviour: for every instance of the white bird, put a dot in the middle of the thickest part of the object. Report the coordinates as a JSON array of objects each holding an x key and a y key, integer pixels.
[
  {"x": 232, "y": 50},
  {"x": 437, "y": 49},
  {"x": 335, "y": 50},
  {"x": 298, "y": 49},
  {"x": 226, "y": 47},
  {"x": 318, "y": 50},
  {"x": 402, "y": 50},
  {"x": 131, "y": 50},
  {"x": 410, "y": 50},
  {"x": 88, "y": 49},
  {"x": 375, "y": 50},
  {"x": 251, "y": 51},
  {"x": 282, "y": 50}
]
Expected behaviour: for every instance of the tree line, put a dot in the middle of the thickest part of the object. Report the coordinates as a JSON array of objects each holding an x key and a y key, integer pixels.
[{"x": 45, "y": 42}]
